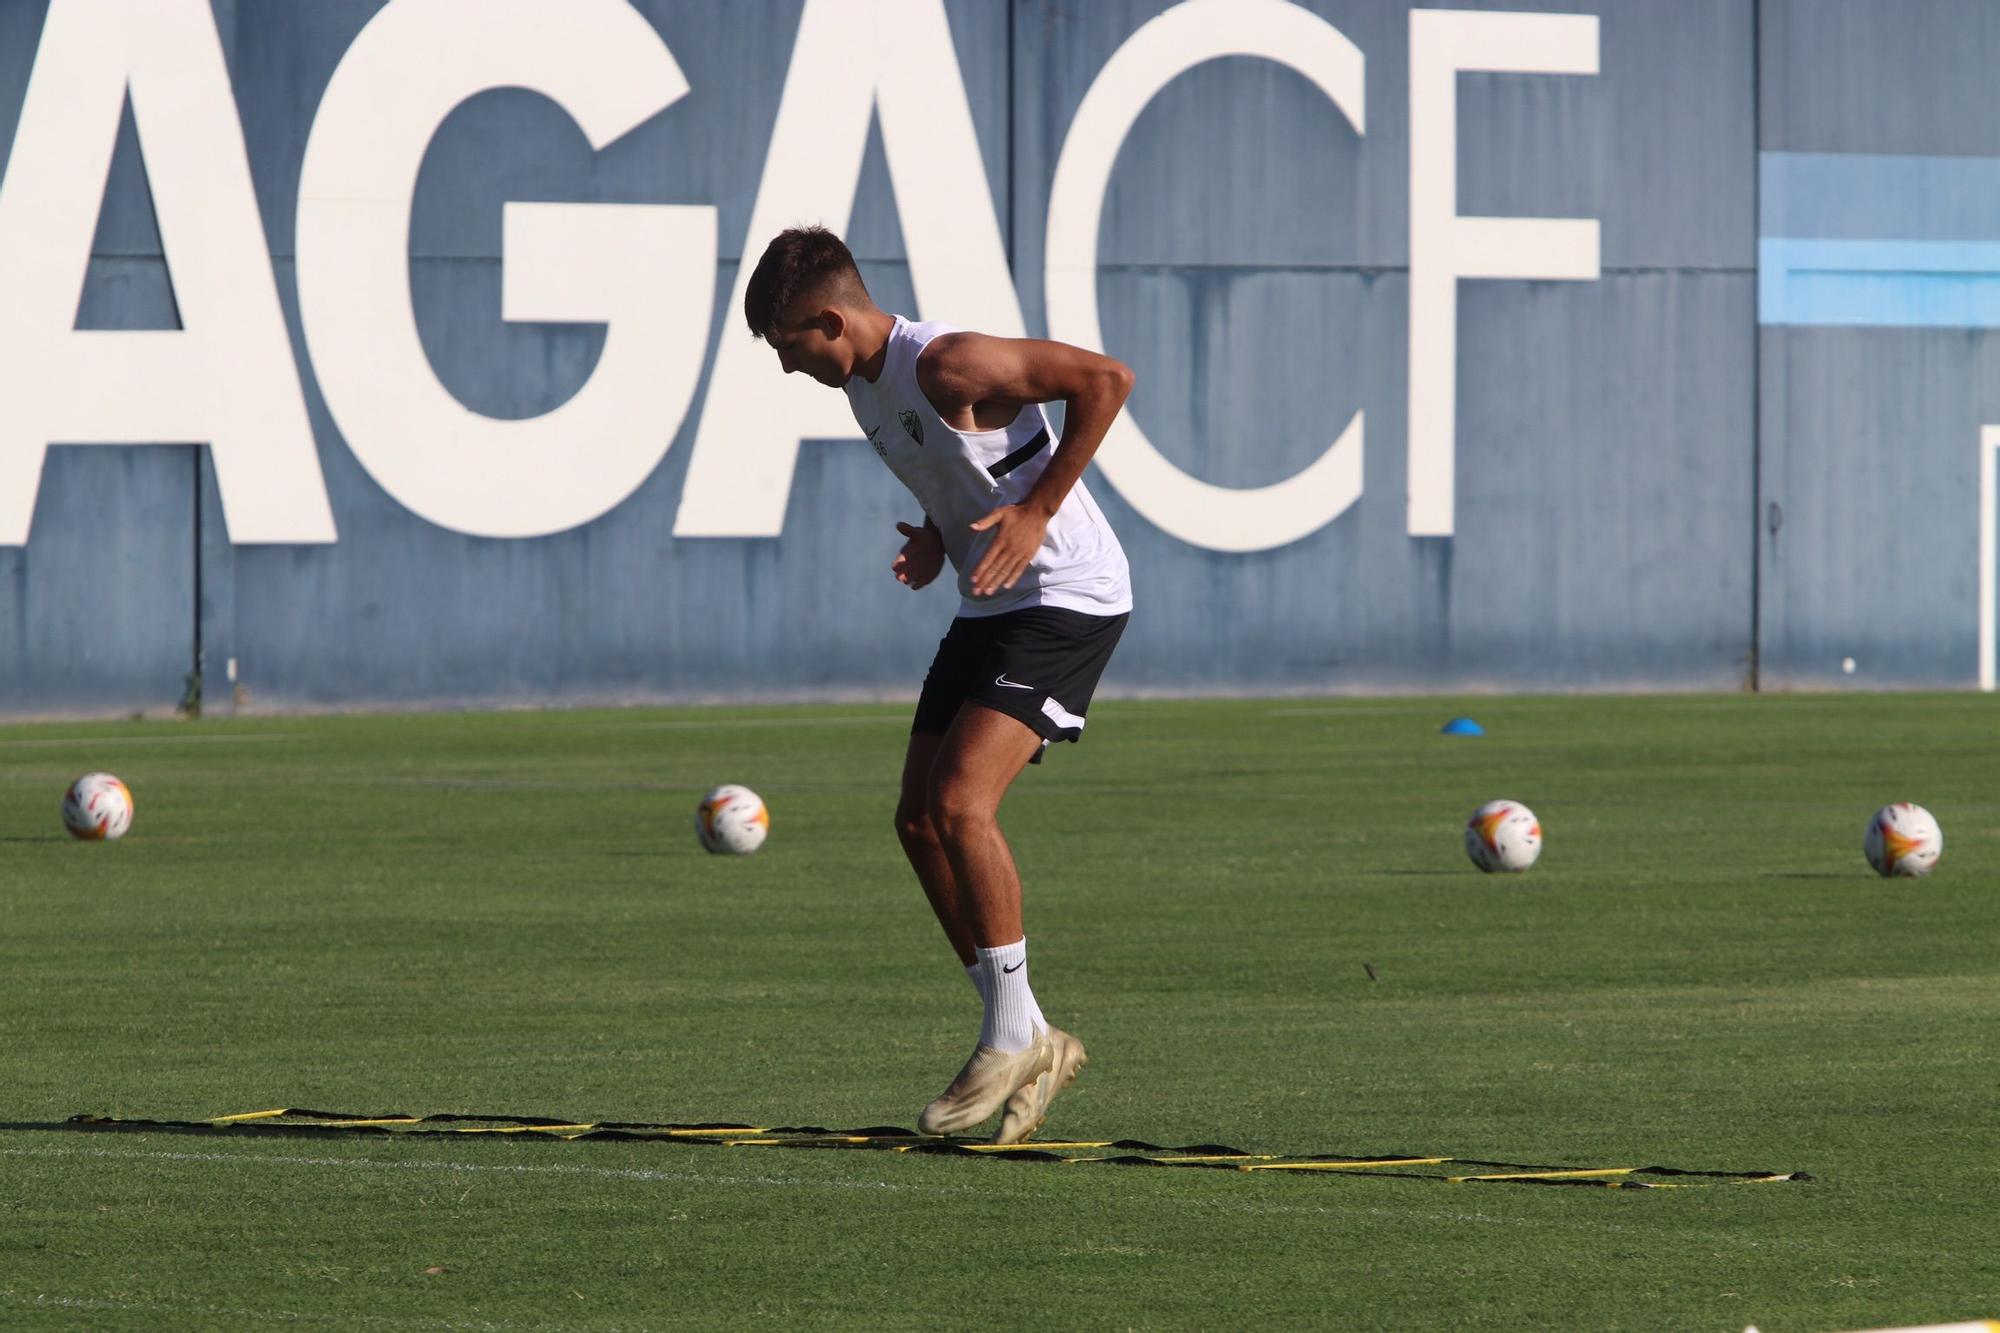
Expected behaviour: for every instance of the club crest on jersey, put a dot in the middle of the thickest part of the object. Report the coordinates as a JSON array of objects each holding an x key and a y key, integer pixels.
[{"x": 912, "y": 424}]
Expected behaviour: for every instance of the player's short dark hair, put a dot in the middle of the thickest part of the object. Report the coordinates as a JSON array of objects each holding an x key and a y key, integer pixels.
[{"x": 799, "y": 262}]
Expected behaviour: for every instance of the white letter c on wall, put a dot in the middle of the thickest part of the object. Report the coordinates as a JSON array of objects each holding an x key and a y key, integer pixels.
[{"x": 1220, "y": 518}]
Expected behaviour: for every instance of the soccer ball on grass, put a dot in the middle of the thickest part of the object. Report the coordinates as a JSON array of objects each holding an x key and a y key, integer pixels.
[
  {"x": 1503, "y": 835},
  {"x": 732, "y": 819},
  {"x": 1903, "y": 841},
  {"x": 97, "y": 808}
]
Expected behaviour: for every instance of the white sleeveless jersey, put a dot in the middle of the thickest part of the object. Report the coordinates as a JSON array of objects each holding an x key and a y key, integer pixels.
[{"x": 959, "y": 477}]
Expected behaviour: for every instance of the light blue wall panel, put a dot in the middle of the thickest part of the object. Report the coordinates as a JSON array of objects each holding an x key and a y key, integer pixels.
[
  {"x": 1880, "y": 362},
  {"x": 1870, "y": 538},
  {"x": 96, "y": 611},
  {"x": 1879, "y": 76},
  {"x": 1616, "y": 471}
]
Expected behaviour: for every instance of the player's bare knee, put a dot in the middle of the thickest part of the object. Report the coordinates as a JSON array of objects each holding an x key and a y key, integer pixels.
[
  {"x": 958, "y": 809},
  {"x": 914, "y": 826}
]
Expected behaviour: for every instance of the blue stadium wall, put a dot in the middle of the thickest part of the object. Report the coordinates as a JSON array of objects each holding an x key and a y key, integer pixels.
[{"x": 1745, "y": 449}]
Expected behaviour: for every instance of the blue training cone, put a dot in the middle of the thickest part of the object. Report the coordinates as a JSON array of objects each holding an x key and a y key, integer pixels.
[{"x": 1462, "y": 726}]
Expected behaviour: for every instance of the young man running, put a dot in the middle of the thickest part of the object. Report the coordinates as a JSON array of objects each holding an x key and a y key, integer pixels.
[{"x": 1044, "y": 594}]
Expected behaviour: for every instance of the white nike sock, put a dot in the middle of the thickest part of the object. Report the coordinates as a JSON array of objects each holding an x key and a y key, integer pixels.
[
  {"x": 1012, "y": 1016},
  {"x": 979, "y": 984}
]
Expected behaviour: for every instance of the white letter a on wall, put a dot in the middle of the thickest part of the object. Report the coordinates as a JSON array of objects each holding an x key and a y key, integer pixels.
[
  {"x": 850, "y": 57},
  {"x": 227, "y": 376}
]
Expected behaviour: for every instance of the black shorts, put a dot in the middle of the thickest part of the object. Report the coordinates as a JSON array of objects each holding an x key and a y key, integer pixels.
[{"x": 1039, "y": 665}]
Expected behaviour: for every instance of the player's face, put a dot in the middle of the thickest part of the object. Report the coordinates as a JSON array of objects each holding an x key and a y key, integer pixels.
[{"x": 810, "y": 346}]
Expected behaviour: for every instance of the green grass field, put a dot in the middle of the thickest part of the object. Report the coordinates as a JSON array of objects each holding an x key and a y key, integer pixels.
[{"x": 508, "y": 913}]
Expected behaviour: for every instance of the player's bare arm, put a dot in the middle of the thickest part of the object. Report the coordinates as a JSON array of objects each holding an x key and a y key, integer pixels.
[{"x": 977, "y": 382}]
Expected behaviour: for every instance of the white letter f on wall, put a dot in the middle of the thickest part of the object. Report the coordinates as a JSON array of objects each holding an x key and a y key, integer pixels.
[{"x": 1445, "y": 247}]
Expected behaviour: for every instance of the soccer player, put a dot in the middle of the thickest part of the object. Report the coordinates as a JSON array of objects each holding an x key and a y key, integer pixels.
[{"x": 1044, "y": 594}]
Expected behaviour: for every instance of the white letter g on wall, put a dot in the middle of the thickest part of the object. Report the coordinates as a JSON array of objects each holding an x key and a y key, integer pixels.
[{"x": 641, "y": 269}]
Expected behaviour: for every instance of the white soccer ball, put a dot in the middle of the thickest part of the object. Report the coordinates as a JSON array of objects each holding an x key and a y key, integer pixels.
[
  {"x": 1503, "y": 835},
  {"x": 732, "y": 819},
  {"x": 97, "y": 808},
  {"x": 1903, "y": 840}
]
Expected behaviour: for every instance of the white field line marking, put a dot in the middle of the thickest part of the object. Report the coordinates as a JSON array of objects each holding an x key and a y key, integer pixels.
[
  {"x": 1064, "y": 790},
  {"x": 1975, "y": 1326},
  {"x": 1989, "y": 449},
  {"x": 1247, "y": 1207},
  {"x": 888, "y": 784},
  {"x": 41, "y": 1301},
  {"x": 514, "y": 1169},
  {"x": 898, "y": 718},
  {"x": 1357, "y": 710},
  {"x": 52, "y": 742},
  {"x": 1519, "y": 703},
  {"x": 515, "y": 784}
]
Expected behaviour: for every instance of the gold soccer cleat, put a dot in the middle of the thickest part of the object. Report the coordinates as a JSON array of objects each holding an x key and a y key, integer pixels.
[
  {"x": 989, "y": 1078},
  {"x": 1029, "y": 1105}
]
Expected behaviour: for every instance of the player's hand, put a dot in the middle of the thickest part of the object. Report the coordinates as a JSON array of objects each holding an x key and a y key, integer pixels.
[
  {"x": 1017, "y": 535},
  {"x": 921, "y": 558}
]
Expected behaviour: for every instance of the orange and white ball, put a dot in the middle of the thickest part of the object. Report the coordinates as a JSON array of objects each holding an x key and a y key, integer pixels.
[
  {"x": 732, "y": 819},
  {"x": 97, "y": 808},
  {"x": 1903, "y": 841},
  {"x": 1503, "y": 835}
]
